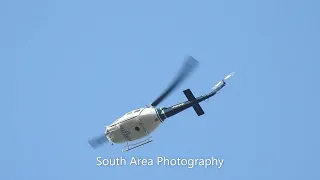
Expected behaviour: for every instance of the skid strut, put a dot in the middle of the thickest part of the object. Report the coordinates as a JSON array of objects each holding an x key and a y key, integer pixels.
[
  {"x": 133, "y": 146},
  {"x": 138, "y": 144}
]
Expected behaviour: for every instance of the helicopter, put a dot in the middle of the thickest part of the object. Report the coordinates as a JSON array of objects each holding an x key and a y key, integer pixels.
[{"x": 140, "y": 123}]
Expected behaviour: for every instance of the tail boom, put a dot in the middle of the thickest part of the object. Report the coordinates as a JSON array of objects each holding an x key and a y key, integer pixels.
[{"x": 167, "y": 112}]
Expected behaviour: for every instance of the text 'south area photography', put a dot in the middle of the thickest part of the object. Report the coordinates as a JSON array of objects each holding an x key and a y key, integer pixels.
[{"x": 161, "y": 161}]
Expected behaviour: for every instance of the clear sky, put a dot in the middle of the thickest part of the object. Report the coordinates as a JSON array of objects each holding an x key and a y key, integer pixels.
[{"x": 68, "y": 68}]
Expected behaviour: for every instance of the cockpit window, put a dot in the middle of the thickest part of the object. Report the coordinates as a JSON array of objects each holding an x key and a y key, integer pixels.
[
  {"x": 129, "y": 113},
  {"x": 136, "y": 110}
]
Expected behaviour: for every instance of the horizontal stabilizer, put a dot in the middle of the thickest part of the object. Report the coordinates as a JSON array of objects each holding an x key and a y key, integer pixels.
[{"x": 197, "y": 108}]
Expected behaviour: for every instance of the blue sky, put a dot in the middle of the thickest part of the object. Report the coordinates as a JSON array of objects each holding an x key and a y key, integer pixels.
[{"x": 68, "y": 68}]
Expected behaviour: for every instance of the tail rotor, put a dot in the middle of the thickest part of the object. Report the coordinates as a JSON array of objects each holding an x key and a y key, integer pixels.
[{"x": 222, "y": 82}]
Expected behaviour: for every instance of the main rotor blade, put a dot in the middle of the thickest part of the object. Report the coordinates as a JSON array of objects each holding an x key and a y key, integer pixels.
[
  {"x": 98, "y": 141},
  {"x": 189, "y": 65}
]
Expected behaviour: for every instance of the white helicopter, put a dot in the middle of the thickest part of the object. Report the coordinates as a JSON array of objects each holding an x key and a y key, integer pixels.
[{"x": 140, "y": 123}]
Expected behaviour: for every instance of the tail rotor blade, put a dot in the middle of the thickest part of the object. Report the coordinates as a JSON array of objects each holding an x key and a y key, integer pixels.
[
  {"x": 229, "y": 75},
  {"x": 98, "y": 141},
  {"x": 189, "y": 65}
]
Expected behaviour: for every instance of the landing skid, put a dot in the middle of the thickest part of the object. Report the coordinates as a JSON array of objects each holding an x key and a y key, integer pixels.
[{"x": 138, "y": 144}]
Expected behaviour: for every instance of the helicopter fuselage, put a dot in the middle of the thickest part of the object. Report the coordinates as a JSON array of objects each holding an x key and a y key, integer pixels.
[{"x": 133, "y": 125}]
